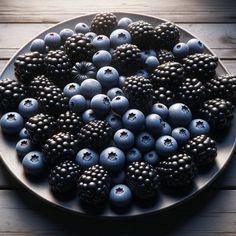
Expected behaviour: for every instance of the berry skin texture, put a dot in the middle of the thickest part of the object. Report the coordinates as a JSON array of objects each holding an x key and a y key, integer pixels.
[
  {"x": 90, "y": 87},
  {"x": 88, "y": 116},
  {"x": 133, "y": 155},
  {"x": 71, "y": 89},
  {"x": 124, "y": 139},
  {"x": 78, "y": 104},
  {"x": 151, "y": 158},
  {"x": 81, "y": 28},
  {"x": 65, "y": 34},
  {"x": 166, "y": 128},
  {"x": 24, "y": 134},
  {"x": 91, "y": 36},
  {"x": 86, "y": 158},
  {"x": 151, "y": 63},
  {"x": 165, "y": 56},
  {"x": 114, "y": 92},
  {"x": 181, "y": 50},
  {"x": 124, "y": 22},
  {"x": 153, "y": 124},
  {"x": 164, "y": 95},
  {"x": 119, "y": 105},
  {"x": 23, "y": 147},
  {"x": 102, "y": 58},
  {"x": 108, "y": 77},
  {"x": 52, "y": 40},
  {"x": 101, "y": 42},
  {"x": 198, "y": 127},
  {"x": 143, "y": 73},
  {"x": 114, "y": 121},
  {"x": 28, "y": 107},
  {"x": 147, "y": 53},
  {"x": 101, "y": 105},
  {"x": 145, "y": 142},
  {"x": 195, "y": 46},
  {"x": 181, "y": 135},
  {"x": 160, "y": 109},
  {"x": 119, "y": 37},
  {"x": 38, "y": 45}
]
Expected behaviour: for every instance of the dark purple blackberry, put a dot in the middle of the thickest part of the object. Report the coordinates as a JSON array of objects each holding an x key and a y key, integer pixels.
[
  {"x": 167, "y": 35},
  {"x": 191, "y": 92},
  {"x": 222, "y": 87},
  {"x": 142, "y": 33},
  {"x": 96, "y": 134},
  {"x": 11, "y": 94},
  {"x": 103, "y": 23},
  {"x": 163, "y": 95},
  {"x": 82, "y": 71},
  {"x": 63, "y": 177},
  {"x": 126, "y": 58},
  {"x": 139, "y": 91},
  {"x": 40, "y": 127},
  {"x": 165, "y": 56},
  {"x": 60, "y": 147},
  {"x": 201, "y": 66},
  {"x": 69, "y": 122},
  {"x": 217, "y": 112},
  {"x": 168, "y": 75},
  {"x": 177, "y": 171},
  {"x": 93, "y": 185},
  {"x": 202, "y": 149},
  {"x": 143, "y": 179},
  {"x": 29, "y": 65},
  {"x": 79, "y": 48}
]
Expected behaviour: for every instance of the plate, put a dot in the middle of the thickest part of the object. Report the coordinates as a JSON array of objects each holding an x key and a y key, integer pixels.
[{"x": 164, "y": 200}]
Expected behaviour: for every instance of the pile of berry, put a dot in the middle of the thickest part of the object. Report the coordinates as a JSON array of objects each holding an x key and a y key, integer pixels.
[{"x": 116, "y": 111}]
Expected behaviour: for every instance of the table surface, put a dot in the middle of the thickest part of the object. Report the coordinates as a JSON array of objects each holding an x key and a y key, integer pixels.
[{"x": 213, "y": 212}]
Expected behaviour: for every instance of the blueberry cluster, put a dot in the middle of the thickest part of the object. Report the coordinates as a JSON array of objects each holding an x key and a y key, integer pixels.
[{"x": 116, "y": 110}]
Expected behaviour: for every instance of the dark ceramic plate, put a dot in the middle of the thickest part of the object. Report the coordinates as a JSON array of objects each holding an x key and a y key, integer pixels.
[{"x": 40, "y": 189}]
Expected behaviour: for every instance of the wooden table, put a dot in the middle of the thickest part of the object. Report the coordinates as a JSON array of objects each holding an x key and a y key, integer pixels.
[{"x": 211, "y": 213}]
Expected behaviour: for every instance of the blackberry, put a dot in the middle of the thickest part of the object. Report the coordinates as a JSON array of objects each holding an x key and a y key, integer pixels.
[
  {"x": 167, "y": 35},
  {"x": 126, "y": 58},
  {"x": 202, "y": 149},
  {"x": 95, "y": 134},
  {"x": 191, "y": 92},
  {"x": 103, "y": 23},
  {"x": 222, "y": 87},
  {"x": 217, "y": 112},
  {"x": 60, "y": 147},
  {"x": 82, "y": 71},
  {"x": 79, "y": 48},
  {"x": 63, "y": 177},
  {"x": 165, "y": 56},
  {"x": 40, "y": 127},
  {"x": 142, "y": 33},
  {"x": 143, "y": 179},
  {"x": 93, "y": 185},
  {"x": 177, "y": 171},
  {"x": 168, "y": 75},
  {"x": 29, "y": 65},
  {"x": 201, "y": 66},
  {"x": 139, "y": 91},
  {"x": 163, "y": 95},
  {"x": 69, "y": 122},
  {"x": 11, "y": 94}
]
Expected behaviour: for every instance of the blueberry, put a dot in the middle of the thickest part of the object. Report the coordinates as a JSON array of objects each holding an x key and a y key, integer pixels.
[
  {"x": 90, "y": 88},
  {"x": 38, "y": 45},
  {"x": 53, "y": 40},
  {"x": 166, "y": 146},
  {"x": 81, "y": 28},
  {"x": 143, "y": 73},
  {"x": 147, "y": 53},
  {"x": 23, "y": 147},
  {"x": 120, "y": 196},
  {"x": 133, "y": 120},
  {"x": 151, "y": 63},
  {"x": 160, "y": 109},
  {"x": 28, "y": 107},
  {"x": 166, "y": 128},
  {"x": 101, "y": 104},
  {"x": 33, "y": 163},
  {"x": 108, "y": 77},
  {"x": 24, "y": 134},
  {"x": 124, "y": 22},
  {"x": 86, "y": 158},
  {"x": 198, "y": 127},
  {"x": 124, "y": 139},
  {"x": 102, "y": 58},
  {"x": 90, "y": 36},
  {"x": 151, "y": 158},
  {"x": 88, "y": 116},
  {"x": 78, "y": 104},
  {"x": 114, "y": 92},
  {"x": 133, "y": 155},
  {"x": 120, "y": 105},
  {"x": 195, "y": 46},
  {"x": 101, "y": 42},
  {"x": 65, "y": 34},
  {"x": 71, "y": 89},
  {"x": 153, "y": 124},
  {"x": 121, "y": 81},
  {"x": 179, "y": 115},
  {"x": 11, "y": 123},
  {"x": 114, "y": 121},
  {"x": 181, "y": 135},
  {"x": 118, "y": 178},
  {"x": 145, "y": 142},
  {"x": 119, "y": 37},
  {"x": 181, "y": 50},
  {"x": 113, "y": 159}
]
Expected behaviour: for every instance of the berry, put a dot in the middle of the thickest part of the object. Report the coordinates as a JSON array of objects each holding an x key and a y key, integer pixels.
[
  {"x": 181, "y": 50},
  {"x": 102, "y": 58},
  {"x": 90, "y": 87},
  {"x": 165, "y": 56},
  {"x": 153, "y": 124},
  {"x": 166, "y": 128},
  {"x": 181, "y": 135},
  {"x": 81, "y": 28},
  {"x": 38, "y": 45},
  {"x": 86, "y": 158},
  {"x": 195, "y": 46},
  {"x": 65, "y": 34},
  {"x": 119, "y": 37},
  {"x": 151, "y": 63},
  {"x": 198, "y": 127},
  {"x": 133, "y": 155},
  {"x": 145, "y": 142},
  {"x": 121, "y": 81},
  {"x": 151, "y": 158},
  {"x": 91, "y": 36},
  {"x": 88, "y": 116},
  {"x": 78, "y": 104},
  {"x": 101, "y": 42},
  {"x": 124, "y": 139},
  {"x": 114, "y": 121},
  {"x": 166, "y": 146},
  {"x": 71, "y": 89},
  {"x": 160, "y": 109},
  {"x": 143, "y": 73},
  {"x": 119, "y": 105},
  {"x": 114, "y": 92},
  {"x": 101, "y": 105},
  {"x": 23, "y": 147},
  {"x": 124, "y": 22},
  {"x": 24, "y": 134},
  {"x": 164, "y": 95},
  {"x": 147, "y": 53},
  {"x": 52, "y": 40},
  {"x": 28, "y": 107}
]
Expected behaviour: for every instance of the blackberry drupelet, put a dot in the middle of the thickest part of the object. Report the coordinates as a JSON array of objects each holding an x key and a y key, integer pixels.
[
  {"x": 96, "y": 134},
  {"x": 202, "y": 149},
  {"x": 60, "y": 147},
  {"x": 142, "y": 33},
  {"x": 165, "y": 56},
  {"x": 29, "y": 65},
  {"x": 217, "y": 112},
  {"x": 163, "y": 95},
  {"x": 222, "y": 87},
  {"x": 79, "y": 48},
  {"x": 167, "y": 35},
  {"x": 40, "y": 127},
  {"x": 94, "y": 185},
  {"x": 201, "y": 66},
  {"x": 11, "y": 94},
  {"x": 126, "y": 58},
  {"x": 177, "y": 171},
  {"x": 63, "y": 177},
  {"x": 143, "y": 179},
  {"x": 103, "y": 23},
  {"x": 139, "y": 91}
]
